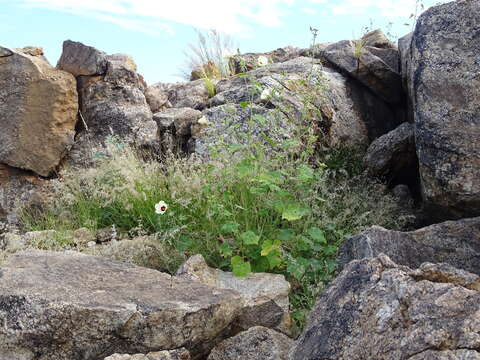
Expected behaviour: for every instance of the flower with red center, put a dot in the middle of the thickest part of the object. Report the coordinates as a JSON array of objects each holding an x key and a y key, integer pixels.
[{"x": 161, "y": 207}]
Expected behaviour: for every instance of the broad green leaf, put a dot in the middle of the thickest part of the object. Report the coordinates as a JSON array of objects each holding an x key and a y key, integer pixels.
[
  {"x": 274, "y": 259},
  {"x": 240, "y": 268},
  {"x": 230, "y": 227},
  {"x": 261, "y": 265},
  {"x": 226, "y": 250},
  {"x": 250, "y": 238},
  {"x": 317, "y": 235},
  {"x": 286, "y": 235},
  {"x": 294, "y": 212}
]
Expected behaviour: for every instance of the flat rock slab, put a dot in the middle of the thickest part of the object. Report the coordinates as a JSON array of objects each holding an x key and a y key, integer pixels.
[
  {"x": 66, "y": 306},
  {"x": 453, "y": 242}
]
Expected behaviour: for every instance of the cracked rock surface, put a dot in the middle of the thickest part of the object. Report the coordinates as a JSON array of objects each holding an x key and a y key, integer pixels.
[
  {"x": 69, "y": 306},
  {"x": 376, "y": 309}
]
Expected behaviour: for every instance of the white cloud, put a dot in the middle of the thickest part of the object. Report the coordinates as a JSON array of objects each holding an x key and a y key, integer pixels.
[
  {"x": 230, "y": 16},
  {"x": 152, "y": 16}
]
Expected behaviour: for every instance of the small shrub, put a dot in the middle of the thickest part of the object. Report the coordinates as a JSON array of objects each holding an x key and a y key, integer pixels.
[{"x": 209, "y": 57}]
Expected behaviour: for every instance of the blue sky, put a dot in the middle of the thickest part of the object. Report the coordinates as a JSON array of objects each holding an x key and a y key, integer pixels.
[{"x": 157, "y": 32}]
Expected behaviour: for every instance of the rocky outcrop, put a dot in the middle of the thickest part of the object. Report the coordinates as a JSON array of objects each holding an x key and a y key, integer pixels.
[
  {"x": 443, "y": 75},
  {"x": 392, "y": 156},
  {"x": 62, "y": 306},
  {"x": 268, "y": 98},
  {"x": 112, "y": 105},
  {"x": 454, "y": 242},
  {"x": 181, "y": 354},
  {"x": 79, "y": 59},
  {"x": 257, "y": 343},
  {"x": 376, "y": 309},
  {"x": 38, "y": 111},
  {"x": 265, "y": 295},
  {"x": 373, "y": 61}
]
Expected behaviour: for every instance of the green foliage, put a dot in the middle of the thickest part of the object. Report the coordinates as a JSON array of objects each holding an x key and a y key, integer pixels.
[{"x": 272, "y": 204}]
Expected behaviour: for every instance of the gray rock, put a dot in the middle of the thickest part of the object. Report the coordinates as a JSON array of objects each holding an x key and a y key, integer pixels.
[
  {"x": 4, "y": 52},
  {"x": 257, "y": 343},
  {"x": 38, "y": 112},
  {"x": 233, "y": 124},
  {"x": 157, "y": 99},
  {"x": 62, "y": 306},
  {"x": 454, "y": 242},
  {"x": 113, "y": 105},
  {"x": 265, "y": 295},
  {"x": 404, "y": 47},
  {"x": 376, "y": 309},
  {"x": 20, "y": 190},
  {"x": 393, "y": 154},
  {"x": 180, "y": 354},
  {"x": 403, "y": 194},
  {"x": 444, "y": 72},
  {"x": 250, "y": 61},
  {"x": 376, "y": 38},
  {"x": 180, "y": 118},
  {"x": 79, "y": 59},
  {"x": 376, "y": 68},
  {"x": 193, "y": 94}
]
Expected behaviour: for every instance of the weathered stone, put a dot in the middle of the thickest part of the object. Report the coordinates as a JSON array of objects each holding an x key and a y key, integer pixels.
[
  {"x": 392, "y": 156},
  {"x": 454, "y": 242},
  {"x": 4, "y": 52},
  {"x": 193, "y": 94},
  {"x": 20, "y": 190},
  {"x": 266, "y": 295},
  {"x": 376, "y": 309},
  {"x": 234, "y": 124},
  {"x": 113, "y": 106},
  {"x": 181, "y": 119},
  {"x": 38, "y": 112},
  {"x": 62, "y": 306},
  {"x": 444, "y": 78},
  {"x": 79, "y": 59},
  {"x": 257, "y": 343},
  {"x": 404, "y": 48},
  {"x": 377, "y": 39},
  {"x": 376, "y": 68},
  {"x": 157, "y": 99},
  {"x": 251, "y": 61},
  {"x": 180, "y": 354},
  {"x": 403, "y": 194}
]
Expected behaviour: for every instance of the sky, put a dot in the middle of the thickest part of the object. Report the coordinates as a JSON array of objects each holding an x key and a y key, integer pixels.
[{"x": 156, "y": 33}]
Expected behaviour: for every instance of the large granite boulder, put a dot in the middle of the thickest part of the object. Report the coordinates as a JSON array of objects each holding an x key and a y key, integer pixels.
[
  {"x": 63, "y": 306},
  {"x": 444, "y": 78},
  {"x": 275, "y": 97},
  {"x": 373, "y": 61},
  {"x": 79, "y": 59},
  {"x": 265, "y": 295},
  {"x": 113, "y": 106},
  {"x": 454, "y": 242},
  {"x": 392, "y": 156},
  {"x": 257, "y": 343},
  {"x": 38, "y": 111},
  {"x": 376, "y": 309}
]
